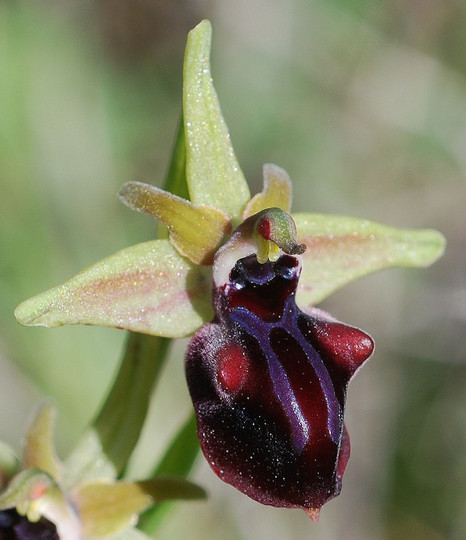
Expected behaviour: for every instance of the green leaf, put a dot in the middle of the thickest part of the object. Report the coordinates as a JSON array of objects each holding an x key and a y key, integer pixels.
[
  {"x": 341, "y": 249},
  {"x": 146, "y": 288},
  {"x": 196, "y": 231},
  {"x": 212, "y": 170}
]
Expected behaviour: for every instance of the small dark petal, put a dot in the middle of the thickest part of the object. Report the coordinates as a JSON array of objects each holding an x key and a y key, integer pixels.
[
  {"x": 40, "y": 530},
  {"x": 13, "y": 526},
  {"x": 261, "y": 289},
  {"x": 8, "y": 518},
  {"x": 268, "y": 383}
]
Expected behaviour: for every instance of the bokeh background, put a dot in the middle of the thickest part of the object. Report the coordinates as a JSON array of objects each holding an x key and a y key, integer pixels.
[{"x": 364, "y": 103}]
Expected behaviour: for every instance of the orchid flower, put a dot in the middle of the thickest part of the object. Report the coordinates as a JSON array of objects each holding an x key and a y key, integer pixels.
[
  {"x": 41, "y": 497},
  {"x": 267, "y": 370}
]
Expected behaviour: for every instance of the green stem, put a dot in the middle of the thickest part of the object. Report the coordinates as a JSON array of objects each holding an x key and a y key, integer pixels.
[
  {"x": 119, "y": 423},
  {"x": 106, "y": 446},
  {"x": 181, "y": 454}
]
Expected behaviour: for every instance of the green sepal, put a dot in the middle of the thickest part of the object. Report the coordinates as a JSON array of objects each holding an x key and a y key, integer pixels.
[
  {"x": 38, "y": 444},
  {"x": 196, "y": 231},
  {"x": 148, "y": 288},
  {"x": 277, "y": 192},
  {"x": 108, "y": 508},
  {"x": 88, "y": 462},
  {"x": 341, "y": 249},
  {"x": 213, "y": 174}
]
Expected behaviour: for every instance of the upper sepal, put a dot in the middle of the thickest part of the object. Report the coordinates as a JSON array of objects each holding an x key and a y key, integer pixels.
[
  {"x": 341, "y": 249},
  {"x": 146, "y": 288},
  {"x": 213, "y": 174}
]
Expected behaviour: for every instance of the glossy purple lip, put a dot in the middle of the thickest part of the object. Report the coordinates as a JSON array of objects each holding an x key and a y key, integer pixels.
[{"x": 268, "y": 383}]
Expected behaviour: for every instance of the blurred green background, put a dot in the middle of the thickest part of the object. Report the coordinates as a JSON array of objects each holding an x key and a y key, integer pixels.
[{"x": 364, "y": 103}]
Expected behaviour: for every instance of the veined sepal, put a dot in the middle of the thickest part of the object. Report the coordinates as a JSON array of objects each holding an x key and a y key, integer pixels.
[
  {"x": 148, "y": 288},
  {"x": 213, "y": 173},
  {"x": 341, "y": 249}
]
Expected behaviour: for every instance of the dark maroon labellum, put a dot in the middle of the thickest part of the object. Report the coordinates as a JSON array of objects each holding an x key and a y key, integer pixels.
[
  {"x": 13, "y": 526},
  {"x": 268, "y": 383}
]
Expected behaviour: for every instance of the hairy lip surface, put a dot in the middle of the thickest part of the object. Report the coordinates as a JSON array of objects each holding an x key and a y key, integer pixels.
[{"x": 268, "y": 383}]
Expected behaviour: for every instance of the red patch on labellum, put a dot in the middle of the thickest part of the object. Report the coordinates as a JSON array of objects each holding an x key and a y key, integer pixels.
[
  {"x": 233, "y": 366},
  {"x": 349, "y": 347}
]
